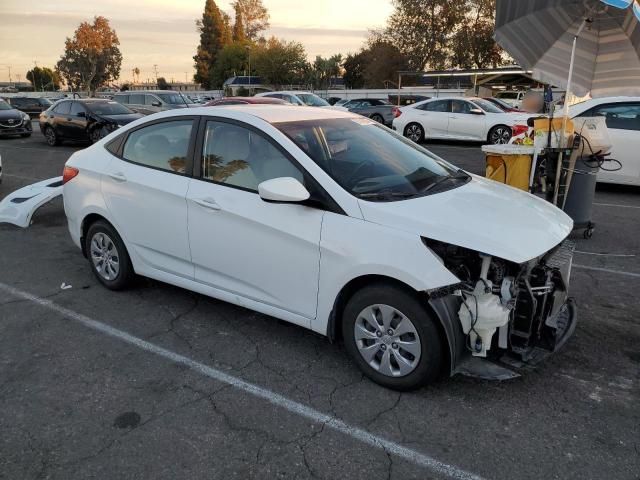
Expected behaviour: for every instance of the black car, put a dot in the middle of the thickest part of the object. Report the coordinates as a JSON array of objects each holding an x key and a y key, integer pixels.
[
  {"x": 30, "y": 105},
  {"x": 82, "y": 120},
  {"x": 13, "y": 122}
]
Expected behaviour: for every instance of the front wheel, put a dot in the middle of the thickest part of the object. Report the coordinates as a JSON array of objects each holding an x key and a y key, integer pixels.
[
  {"x": 500, "y": 135},
  {"x": 414, "y": 132},
  {"x": 97, "y": 134},
  {"x": 51, "y": 137},
  {"x": 392, "y": 337}
]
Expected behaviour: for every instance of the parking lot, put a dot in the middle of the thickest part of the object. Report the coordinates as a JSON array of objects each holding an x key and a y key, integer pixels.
[{"x": 159, "y": 382}]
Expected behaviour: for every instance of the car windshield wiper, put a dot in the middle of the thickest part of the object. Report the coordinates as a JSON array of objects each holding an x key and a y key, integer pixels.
[
  {"x": 384, "y": 195},
  {"x": 460, "y": 175}
]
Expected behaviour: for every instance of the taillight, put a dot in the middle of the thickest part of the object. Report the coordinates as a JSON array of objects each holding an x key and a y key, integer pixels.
[
  {"x": 69, "y": 173},
  {"x": 396, "y": 112},
  {"x": 519, "y": 129}
]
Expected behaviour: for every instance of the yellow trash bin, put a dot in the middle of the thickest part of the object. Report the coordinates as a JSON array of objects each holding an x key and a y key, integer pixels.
[{"x": 509, "y": 164}]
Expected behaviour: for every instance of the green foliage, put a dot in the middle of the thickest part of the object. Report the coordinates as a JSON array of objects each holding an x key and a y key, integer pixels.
[
  {"x": 92, "y": 57},
  {"x": 375, "y": 66},
  {"x": 324, "y": 69},
  {"x": 43, "y": 78},
  {"x": 354, "y": 66},
  {"x": 232, "y": 60},
  {"x": 255, "y": 17},
  {"x": 279, "y": 62},
  {"x": 238, "y": 26},
  {"x": 163, "y": 84},
  {"x": 215, "y": 33}
]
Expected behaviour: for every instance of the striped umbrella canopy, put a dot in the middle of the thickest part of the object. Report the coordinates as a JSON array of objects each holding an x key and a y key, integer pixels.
[{"x": 585, "y": 46}]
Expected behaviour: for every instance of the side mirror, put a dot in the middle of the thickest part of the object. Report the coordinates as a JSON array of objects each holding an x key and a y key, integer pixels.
[
  {"x": 156, "y": 104},
  {"x": 82, "y": 114},
  {"x": 283, "y": 190},
  {"x": 476, "y": 111}
]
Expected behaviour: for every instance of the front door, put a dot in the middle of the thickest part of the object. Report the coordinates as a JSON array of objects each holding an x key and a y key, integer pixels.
[
  {"x": 464, "y": 125},
  {"x": 76, "y": 124},
  {"x": 146, "y": 191},
  {"x": 265, "y": 252}
]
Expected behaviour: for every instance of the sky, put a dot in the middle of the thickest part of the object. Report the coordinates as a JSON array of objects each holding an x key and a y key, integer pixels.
[{"x": 163, "y": 32}]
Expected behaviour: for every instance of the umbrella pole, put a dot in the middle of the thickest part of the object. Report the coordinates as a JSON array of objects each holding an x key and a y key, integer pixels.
[{"x": 565, "y": 115}]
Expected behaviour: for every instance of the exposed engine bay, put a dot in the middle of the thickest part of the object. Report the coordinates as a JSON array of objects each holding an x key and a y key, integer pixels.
[{"x": 505, "y": 307}]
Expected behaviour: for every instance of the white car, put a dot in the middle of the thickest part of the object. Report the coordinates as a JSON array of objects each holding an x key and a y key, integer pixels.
[
  {"x": 332, "y": 222},
  {"x": 299, "y": 98},
  {"x": 471, "y": 119},
  {"x": 622, "y": 116}
]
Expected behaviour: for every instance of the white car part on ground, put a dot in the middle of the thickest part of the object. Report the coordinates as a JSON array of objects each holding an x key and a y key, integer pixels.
[{"x": 18, "y": 207}]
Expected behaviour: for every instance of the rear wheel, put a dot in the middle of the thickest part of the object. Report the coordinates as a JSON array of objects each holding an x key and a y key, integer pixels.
[
  {"x": 499, "y": 135},
  {"x": 377, "y": 118},
  {"x": 108, "y": 256},
  {"x": 414, "y": 132},
  {"x": 51, "y": 137},
  {"x": 392, "y": 337}
]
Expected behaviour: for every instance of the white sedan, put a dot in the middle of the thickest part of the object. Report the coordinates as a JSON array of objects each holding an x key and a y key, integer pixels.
[
  {"x": 471, "y": 119},
  {"x": 332, "y": 222},
  {"x": 622, "y": 115}
]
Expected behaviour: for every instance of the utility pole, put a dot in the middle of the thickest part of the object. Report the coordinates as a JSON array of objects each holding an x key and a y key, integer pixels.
[
  {"x": 185, "y": 77},
  {"x": 9, "y": 67},
  {"x": 155, "y": 70}
]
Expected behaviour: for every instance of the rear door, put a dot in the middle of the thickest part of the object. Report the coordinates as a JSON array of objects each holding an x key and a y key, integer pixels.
[
  {"x": 136, "y": 103},
  {"x": 434, "y": 117},
  {"x": 145, "y": 190},
  {"x": 623, "y": 123},
  {"x": 463, "y": 125}
]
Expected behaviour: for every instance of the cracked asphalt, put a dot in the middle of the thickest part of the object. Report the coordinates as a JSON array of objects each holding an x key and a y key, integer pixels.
[{"x": 77, "y": 404}]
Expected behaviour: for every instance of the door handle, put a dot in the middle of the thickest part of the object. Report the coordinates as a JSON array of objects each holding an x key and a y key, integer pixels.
[
  {"x": 118, "y": 176},
  {"x": 209, "y": 203}
]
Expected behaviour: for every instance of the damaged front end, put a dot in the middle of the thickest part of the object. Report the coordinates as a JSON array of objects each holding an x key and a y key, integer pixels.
[{"x": 514, "y": 313}]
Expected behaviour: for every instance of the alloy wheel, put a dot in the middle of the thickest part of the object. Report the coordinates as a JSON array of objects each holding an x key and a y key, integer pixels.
[
  {"x": 414, "y": 133},
  {"x": 387, "y": 340},
  {"x": 500, "y": 135},
  {"x": 104, "y": 256},
  {"x": 377, "y": 118},
  {"x": 50, "y": 136}
]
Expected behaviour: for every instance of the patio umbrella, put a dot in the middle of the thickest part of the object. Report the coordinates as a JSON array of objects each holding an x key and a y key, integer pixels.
[{"x": 586, "y": 46}]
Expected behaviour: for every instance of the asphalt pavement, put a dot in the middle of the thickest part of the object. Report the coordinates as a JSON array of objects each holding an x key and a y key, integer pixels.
[{"x": 159, "y": 382}]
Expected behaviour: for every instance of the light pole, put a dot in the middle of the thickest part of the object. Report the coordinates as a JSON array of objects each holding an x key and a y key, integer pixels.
[{"x": 249, "y": 60}]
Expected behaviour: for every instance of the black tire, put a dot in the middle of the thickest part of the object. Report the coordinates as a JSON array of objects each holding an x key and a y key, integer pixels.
[
  {"x": 125, "y": 274},
  {"x": 499, "y": 135},
  {"x": 97, "y": 134},
  {"x": 51, "y": 137},
  {"x": 414, "y": 132},
  {"x": 377, "y": 118},
  {"x": 431, "y": 359}
]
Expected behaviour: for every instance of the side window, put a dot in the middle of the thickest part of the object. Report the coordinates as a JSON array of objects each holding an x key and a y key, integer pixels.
[
  {"x": 437, "y": 106},
  {"x": 76, "y": 108},
  {"x": 163, "y": 145},
  {"x": 236, "y": 156},
  {"x": 149, "y": 99},
  {"x": 63, "y": 108},
  {"x": 460, "y": 106},
  {"x": 136, "y": 99},
  {"x": 121, "y": 98},
  {"x": 620, "y": 116}
]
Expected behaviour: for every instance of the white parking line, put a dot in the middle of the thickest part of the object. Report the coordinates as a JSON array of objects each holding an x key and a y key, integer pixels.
[
  {"x": 608, "y": 270},
  {"x": 276, "y": 399},
  {"x": 625, "y": 255},
  {"x": 616, "y": 205}
]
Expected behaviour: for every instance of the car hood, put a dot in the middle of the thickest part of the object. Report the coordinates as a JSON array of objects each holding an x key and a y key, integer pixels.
[
  {"x": 481, "y": 215},
  {"x": 10, "y": 114},
  {"x": 123, "y": 119}
]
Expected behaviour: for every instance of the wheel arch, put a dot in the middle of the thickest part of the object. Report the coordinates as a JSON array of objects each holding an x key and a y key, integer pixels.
[
  {"x": 89, "y": 220},
  {"x": 498, "y": 126},
  {"x": 443, "y": 309}
]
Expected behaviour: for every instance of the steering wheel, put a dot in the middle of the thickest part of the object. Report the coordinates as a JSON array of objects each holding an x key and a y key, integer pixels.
[{"x": 354, "y": 176}]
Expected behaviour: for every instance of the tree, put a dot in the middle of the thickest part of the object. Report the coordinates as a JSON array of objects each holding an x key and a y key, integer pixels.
[
  {"x": 238, "y": 26},
  {"x": 354, "y": 66},
  {"x": 136, "y": 73},
  {"x": 255, "y": 17},
  {"x": 231, "y": 61},
  {"x": 92, "y": 57},
  {"x": 43, "y": 78},
  {"x": 163, "y": 84},
  {"x": 324, "y": 69},
  {"x": 279, "y": 62},
  {"x": 125, "y": 87},
  {"x": 383, "y": 61},
  {"x": 472, "y": 45},
  {"x": 214, "y": 34},
  {"x": 421, "y": 30}
]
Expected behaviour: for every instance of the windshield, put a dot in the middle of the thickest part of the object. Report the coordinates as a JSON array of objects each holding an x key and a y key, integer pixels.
[
  {"x": 172, "y": 98},
  {"x": 487, "y": 106},
  {"x": 109, "y": 108},
  {"x": 368, "y": 160},
  {"x": 5, "y": 106},
  {"x": 312, "y": 100}
]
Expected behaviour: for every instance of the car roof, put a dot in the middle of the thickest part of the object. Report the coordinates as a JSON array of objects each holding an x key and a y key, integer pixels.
[
  {"x": 253, "y": 100},
  {"x": 128, "y": 92},
  {"x": 592, "y": 102},
  {"x": 268, "y": 113},
  {"x": 289, "y": 92}
]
